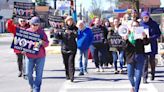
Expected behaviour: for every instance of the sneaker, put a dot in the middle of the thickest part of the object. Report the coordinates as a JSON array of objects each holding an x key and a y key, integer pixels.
[
  {"x": 20, "y": 74},
  {"x": 101, "y": 69},
  {"x": 115, "y": 72},
  {"x": 97, "y": 69},
  {"x": 81, "y": 73},
  {"x": 121, "y": 71},
  {"x": 132, "y": 90},
  {"x": 72, "y": 80},
  {"x": 145, "y": 81},
  {"x": 152, "y": 78}
]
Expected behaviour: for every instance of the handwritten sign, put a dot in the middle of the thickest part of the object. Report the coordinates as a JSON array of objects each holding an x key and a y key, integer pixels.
[
  {"x": 24, "y": 10},
  {"x": 98, "y": 35},
  {"x": 26, "y": 41},
  {"x": 138, "y": 32}
]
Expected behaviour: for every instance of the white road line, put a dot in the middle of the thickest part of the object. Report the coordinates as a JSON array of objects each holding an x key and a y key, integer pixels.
[{"x": 101, "y": 85}]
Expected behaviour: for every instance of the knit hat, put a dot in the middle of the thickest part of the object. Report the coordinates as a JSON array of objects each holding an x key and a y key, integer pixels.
[
  {"x": 145, "y": 13},
  {"x": 68, "y": 18},
  {"x": 35, "y": 20}
]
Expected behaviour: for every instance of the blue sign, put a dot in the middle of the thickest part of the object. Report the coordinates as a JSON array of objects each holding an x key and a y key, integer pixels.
[
  {"x": 156, "y": 10},
  {"x": 26, "y": 41}
]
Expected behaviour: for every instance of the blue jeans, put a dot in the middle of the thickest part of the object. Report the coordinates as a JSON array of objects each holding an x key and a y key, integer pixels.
[
  {"x": 120, "y": 57},
  {"x": 38, "y": 63},
  {"x": 135, "y": 70},
  {"x": 83, "y": 65}
]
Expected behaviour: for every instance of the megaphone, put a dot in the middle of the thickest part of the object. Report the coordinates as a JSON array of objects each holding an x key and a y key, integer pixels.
[{"x": 123, "y": 30}]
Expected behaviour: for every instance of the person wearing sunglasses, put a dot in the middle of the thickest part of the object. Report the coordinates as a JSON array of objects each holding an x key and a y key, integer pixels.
[
  {"x": 36, "y": 60},
  {"x": 11, "y": 27},
  {"x": 154, "y": 34}
]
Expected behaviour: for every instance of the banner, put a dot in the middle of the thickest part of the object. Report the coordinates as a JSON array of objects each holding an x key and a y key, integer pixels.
[
  {"x": 116, "y": 40},
  {"x": 56, "y": 22},
  {"x": 26, "y": 41},
  {"x": 63, "y": 5},
  {"x": 98, "y": 35},
  {"x": 24, "y": 10}
]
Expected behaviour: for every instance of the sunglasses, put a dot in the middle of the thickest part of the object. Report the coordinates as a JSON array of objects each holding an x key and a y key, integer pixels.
[{"x": 23, "y": 21}]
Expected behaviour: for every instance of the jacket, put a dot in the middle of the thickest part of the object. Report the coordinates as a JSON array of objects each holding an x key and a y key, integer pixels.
[
  {"x": 68, "y": 44},
  {"x": 84, "y": 39},
  {"x": 42, "y": 52},
  {"x": 138, "y": 48},
  {"x": 11, "y": 27},
  {"x": 154, "y": 33}
]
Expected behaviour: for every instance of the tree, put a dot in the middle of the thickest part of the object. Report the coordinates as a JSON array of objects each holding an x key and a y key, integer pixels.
[
  {"x": 135, "y": 4},
  {"x": 96, "y": 8}
]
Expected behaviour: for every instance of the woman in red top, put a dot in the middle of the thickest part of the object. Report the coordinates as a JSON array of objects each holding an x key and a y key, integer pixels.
[{"x": 11, "y": 27}]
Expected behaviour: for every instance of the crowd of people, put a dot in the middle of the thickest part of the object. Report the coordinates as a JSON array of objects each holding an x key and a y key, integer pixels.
[{"x": 95, "y": 38}]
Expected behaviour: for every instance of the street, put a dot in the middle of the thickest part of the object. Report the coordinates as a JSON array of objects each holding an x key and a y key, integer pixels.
[{"x": 54, "y": 76}]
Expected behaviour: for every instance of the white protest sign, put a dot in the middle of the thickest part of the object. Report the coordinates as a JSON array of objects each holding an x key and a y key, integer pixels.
[{"x": 138, "y": 32}]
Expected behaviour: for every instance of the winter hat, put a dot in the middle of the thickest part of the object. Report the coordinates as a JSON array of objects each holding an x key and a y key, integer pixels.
[
  {"x": 134, "y": 11},
  {"x": 145, "y": 13},
  {"x": 35, "y": 20},
  {"x": 68, "y": 18}
]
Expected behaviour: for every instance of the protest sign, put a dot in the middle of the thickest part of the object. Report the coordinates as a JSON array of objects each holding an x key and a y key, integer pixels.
[
  {"x": 56, "y": 22},
  {"x": 138, "y": 32},
  {"x": 116, "y": 40},
  {"x": 98, "y": 35},
  {"x": 24, "y": 10},
  {"x": 26, "y": 41}
]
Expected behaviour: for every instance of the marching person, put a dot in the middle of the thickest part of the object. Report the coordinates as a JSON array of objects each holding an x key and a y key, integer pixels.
[
  {"x": 117, "y": 52},
  {"x": 84, "y": 40},
  {"x": 154, "y": 34},
  {"x": 36, "y": 60},
  {"x": 98, "y": 45},
  {"x": 68, "y": 46},
  {"x": 22, "y": 23},
  {"x": 135, "y": 57}
]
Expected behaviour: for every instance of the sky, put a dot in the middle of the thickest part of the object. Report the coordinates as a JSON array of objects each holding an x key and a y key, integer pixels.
[{"x": 87, "y": 3}]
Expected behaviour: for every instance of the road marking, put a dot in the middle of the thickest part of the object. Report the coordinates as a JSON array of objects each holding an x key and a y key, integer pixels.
[{"x": 100, "y": 86}]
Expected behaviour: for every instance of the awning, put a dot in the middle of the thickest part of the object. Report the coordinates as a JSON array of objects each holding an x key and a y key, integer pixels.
[{"x": 120, "y": 10}]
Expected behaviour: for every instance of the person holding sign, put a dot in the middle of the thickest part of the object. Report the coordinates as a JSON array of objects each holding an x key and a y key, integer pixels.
[
  {"x": 22, "y": 24},
  {"x": 116, "y": 46},
  {"x": 154, "y": 34},
  {"x": 98, "y": 45},
  {"x": 135, "y": 56},
  {"x": 36, "y": 60},
  {"x": 68, "y": 46}
]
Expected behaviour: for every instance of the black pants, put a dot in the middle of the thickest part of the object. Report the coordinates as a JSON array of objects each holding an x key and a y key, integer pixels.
[
  {"x": 99, "y": 56},
  {"x": 20, "y": 61},
  {"x": 69, "y": 62},
  {"x": 149, "y": 59}
]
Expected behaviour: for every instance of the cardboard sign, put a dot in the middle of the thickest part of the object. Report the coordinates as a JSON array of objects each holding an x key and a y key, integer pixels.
[
  {"x": 98, "y": 35},
  {"x": 116, "y": 40},
  {"x": 56, "y": 22},
  {"x": 26, "y": 41},
  {"x": 24, "y": 10}
]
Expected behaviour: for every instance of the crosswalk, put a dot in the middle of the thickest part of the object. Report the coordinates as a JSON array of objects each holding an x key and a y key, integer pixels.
[{"x": 98, "y": 86}]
